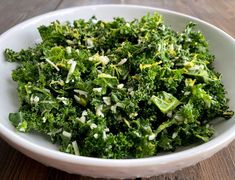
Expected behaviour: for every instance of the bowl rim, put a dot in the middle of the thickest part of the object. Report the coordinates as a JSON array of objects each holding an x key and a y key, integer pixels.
[{"x": 204, "y": 150}]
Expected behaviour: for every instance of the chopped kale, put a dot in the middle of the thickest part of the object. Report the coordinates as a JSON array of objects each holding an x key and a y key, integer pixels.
[{"x": 118, "y": 89}]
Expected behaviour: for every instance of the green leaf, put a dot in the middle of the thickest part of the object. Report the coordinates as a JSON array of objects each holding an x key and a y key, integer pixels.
[
  {"x": 16, "y": 118},
  {"x": 106, "y": 80},
  {"x": 165, "y": 102}
]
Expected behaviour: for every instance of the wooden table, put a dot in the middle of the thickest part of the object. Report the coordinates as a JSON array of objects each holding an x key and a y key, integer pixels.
[{"x": 14, "y": 165}]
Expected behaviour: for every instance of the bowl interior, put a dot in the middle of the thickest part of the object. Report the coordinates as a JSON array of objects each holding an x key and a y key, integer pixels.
[{"x": 25, "y": 35}]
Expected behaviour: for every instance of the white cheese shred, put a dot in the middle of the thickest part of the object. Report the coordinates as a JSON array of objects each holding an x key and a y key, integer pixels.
[
  {"x": 75, "y": 148},
  {"x": 99, "y": 111},
  {"x": 80, "y": 92},
  {"x": 66, "y": 134},
  {"x": 107, "y": 100},
  {"x": 123, "y": 61},
  {"x": 71, "y": 70},
  {"x": 97, "y": 90},
  {"x": 96, "y": 136},
  {"x": 52, "y": 64},
  {"x": 152, "y": 137},
  {"x": 93, "y": 126}
]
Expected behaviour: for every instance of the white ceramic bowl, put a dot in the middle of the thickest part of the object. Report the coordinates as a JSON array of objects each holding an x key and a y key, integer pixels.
[{"x": 38, "y": 148}]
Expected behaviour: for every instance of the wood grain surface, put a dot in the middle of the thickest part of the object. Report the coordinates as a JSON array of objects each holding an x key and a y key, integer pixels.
[{"x": 221, "y": 166}]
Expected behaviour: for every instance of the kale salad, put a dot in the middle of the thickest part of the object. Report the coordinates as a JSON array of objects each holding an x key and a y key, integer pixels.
[{"x": 118, "y": 89}]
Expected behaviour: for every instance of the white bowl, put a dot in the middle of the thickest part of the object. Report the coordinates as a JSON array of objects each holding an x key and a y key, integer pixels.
[{"x": 37, "y": 147}]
